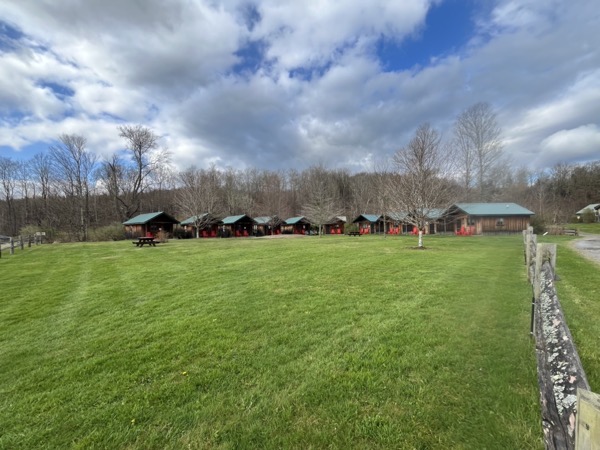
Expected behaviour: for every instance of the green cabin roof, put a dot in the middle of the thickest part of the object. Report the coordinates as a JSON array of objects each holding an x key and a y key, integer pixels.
[
  {"x": 145, "y": 218},
  {"x": 431, "y": 214},
  {"x": 230, "y": 220},
  {"x": 267, "y": 220},
  {"x": 368, "y": 217},
  {"x": 493, "y": 209},
  {"x": 192, "y": 220},
  {"x": 295, "y": 220}
]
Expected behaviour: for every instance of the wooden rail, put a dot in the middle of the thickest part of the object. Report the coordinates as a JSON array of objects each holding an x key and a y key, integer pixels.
[
  {"x": 18, "y": 242},
  {"x": 560, "y": 373}
]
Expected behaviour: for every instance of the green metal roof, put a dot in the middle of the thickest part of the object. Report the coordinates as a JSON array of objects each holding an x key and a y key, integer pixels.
[
  {"x": 397, "y": 216},
  {"x": 192, "y": 220},
  {"x": 230, "y": 220},
  {"x": 145, "y": 218},
  {"x": 493, "y": 209},
  {"x": 367, "y": 217},
  {"x": 432, "y": 214},
  {"x": 593, "y": 207},
  {"x": 262, "y": 220},
  {"x": 295, "y": 220},
  {"x": 336, "y": 219},
  {"x": 435, "y": 213}
]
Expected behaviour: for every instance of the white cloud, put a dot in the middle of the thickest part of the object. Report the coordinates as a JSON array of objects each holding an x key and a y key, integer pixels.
[
  {"x": 172, "y": 68},
  {"x": 582, "y": 144},
  {"x": 308, "y": 34}
]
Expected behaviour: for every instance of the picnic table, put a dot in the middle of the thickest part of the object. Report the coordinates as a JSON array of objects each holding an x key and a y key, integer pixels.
[
  {"x": 353, "y": 233},
  {"x": 145, "y": 240}
]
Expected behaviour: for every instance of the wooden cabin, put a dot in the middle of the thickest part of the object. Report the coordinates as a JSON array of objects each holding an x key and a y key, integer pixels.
[
  {"x": 237, "y": 226},
  {"x": 401, "y": 223},
  {"x": 296, "y": 225},
  {"x": 267, "y": 226},
  {"x": 488, "y": 218},
  {"x": 369, "y": 223},
  {"x": 203, "y": 225},
  {"x": 150, "y": 225},
  {"x": 335, "y": 225}
]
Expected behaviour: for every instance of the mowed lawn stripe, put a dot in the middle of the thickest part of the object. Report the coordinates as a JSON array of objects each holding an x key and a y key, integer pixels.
[{"x": 269, "y": 343}]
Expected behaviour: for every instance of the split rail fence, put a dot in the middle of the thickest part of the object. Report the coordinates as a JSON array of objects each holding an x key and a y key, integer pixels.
[
  {"x": 19, "y": 242},
  {"x": 560, "y": 373}
]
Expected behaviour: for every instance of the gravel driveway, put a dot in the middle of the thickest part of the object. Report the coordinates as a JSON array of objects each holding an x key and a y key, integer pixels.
[{"x": 588, "y": 246}]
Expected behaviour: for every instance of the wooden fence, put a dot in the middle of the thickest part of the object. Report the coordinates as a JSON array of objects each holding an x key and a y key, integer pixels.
[
  {"x": 560, "y": 373},
  {"x": 19, "y": 242}
]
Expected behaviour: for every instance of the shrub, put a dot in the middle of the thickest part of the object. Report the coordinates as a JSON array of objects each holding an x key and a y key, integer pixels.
[
  {"x": 588, "y": 216},
  {"x": 114, "y": 232},
  {"x": 539, "y": 224},
  {"x": 352, "y": 227},
  {"x": 31, "y": 230},
  {"x": 180, "y": 233}
]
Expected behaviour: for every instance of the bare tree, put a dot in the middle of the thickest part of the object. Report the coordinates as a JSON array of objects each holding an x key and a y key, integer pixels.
[
  {"x": 419, "y": 185},
  {"x": 73, "y": 166},
  {"x": 162, "y": 181},
  {"x": 478, "y": 145},
  {"x": 128, "y": 177},
  {"x": 199, "y": 195},
  {"x": 363, "y": 194},
  {"x": 8, "y": 183},
  {"x": 112, "y": 174},
  {"x": 322, "y": 204},
  {"x": 26, "y": 190},
  {"x": 237, "y": 187},
  {"x": 41, "y": 168},
  {"x": 382, "y": 193},
  {"x": 272, "y": 199}
]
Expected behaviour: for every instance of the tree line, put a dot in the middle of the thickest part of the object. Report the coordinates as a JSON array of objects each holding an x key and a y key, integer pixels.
[{"x": 70, "y": 193}]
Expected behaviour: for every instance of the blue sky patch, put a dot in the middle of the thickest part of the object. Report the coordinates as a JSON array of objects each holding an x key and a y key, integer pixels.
[
  {"x": 251, "y": 16},
  {"x": 448, "y": 28},
  {"x": 9, "y": 35},
  {"x": 59, "y": 90},
  {"x": 251, "y": 57}
]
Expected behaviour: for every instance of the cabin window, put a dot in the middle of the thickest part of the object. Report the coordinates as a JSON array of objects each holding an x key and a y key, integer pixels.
[
  {"x": 500, "y": 222},
  {"x": 470, "y": 221}
]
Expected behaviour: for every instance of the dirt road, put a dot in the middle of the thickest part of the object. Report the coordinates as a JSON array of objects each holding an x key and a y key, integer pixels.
[{"x": 588, "y": 246}]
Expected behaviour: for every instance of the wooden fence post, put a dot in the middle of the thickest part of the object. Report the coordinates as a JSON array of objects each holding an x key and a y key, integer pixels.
[
  {"x": 531, "y": 255},
  {"x": 12, "y": 246},
  {"x": 588, "y": 420},
  {"x": 21, "y": 242}
]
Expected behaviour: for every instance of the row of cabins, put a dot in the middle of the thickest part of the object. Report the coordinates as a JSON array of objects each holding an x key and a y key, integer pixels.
[{"x": 460, "y": 219}]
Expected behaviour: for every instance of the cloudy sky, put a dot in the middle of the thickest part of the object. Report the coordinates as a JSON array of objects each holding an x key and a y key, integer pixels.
[{"x": 279, "y": 84}]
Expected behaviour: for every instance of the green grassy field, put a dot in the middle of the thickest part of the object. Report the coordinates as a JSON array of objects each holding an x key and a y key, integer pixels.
[{"x": 302, "y": 343}]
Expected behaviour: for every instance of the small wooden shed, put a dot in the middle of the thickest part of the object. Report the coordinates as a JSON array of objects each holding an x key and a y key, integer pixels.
[{"x": 150, "y": 224}]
